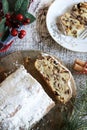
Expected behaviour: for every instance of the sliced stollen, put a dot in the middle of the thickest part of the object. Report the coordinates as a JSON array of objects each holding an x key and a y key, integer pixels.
[
  {"x": 79, "y": 11},
  {"x": 57, "y": 76},
  {"x": 70, "y": 26},
  {"x": 23, "y": 102}
]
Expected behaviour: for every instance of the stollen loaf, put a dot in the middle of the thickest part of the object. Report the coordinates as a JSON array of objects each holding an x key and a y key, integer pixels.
[
  {"x": 57, "y": 76},
  {"x": 23, "y": 101}
]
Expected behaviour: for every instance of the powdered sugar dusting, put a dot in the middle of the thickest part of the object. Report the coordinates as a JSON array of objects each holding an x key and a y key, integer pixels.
[{"x": 25, "y": 102}]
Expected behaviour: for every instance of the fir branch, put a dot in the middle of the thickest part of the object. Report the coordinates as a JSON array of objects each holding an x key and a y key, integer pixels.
[
  {"x": 81, "y": 101},
  {"x": 75, "y": 122},
  {"x": 78, "y": 119}
]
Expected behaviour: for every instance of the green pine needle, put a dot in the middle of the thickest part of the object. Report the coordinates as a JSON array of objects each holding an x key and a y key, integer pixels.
[{"x": 78, "y": 120}]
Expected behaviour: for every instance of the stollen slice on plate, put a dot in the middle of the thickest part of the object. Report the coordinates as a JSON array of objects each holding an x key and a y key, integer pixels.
[
  {"x": 57, "y": 76},
  {"x": 23, "y": 101},
  {"x": 71, "y": 26}
]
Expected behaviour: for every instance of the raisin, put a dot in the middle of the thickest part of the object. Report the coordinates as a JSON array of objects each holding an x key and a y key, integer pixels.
[
  {"x": 74, "y": 32},
  {"x": 55, "y": 62},
  {"x": 78, "y": 5},
  {"x": 56, "y": 93},
  {"x": 67, "y": 91}
]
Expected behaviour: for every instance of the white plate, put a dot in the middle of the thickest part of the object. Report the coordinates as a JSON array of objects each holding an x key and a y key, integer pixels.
[{"x": 58, "y": 8}]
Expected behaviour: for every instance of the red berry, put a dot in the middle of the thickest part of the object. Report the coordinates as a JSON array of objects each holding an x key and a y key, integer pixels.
[
  {"x": 14, "y": 32},
  {"x": 13, "y": 16},
  {"x": 8, "y": 23},
  {"x": 27, "y": 20},
  {"x": 23, "y": 32},
  {"x": 17, "y": 25},
  {"x": 19, "y": 17},
  {"x": 24, "y": 23},
  {"x": 20, "y": 35},
  {"x": 8, "y": 16}
]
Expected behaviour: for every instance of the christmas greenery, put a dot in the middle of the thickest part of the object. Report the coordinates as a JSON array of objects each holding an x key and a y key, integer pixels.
[
  {"x": 9, "y": 19},
  {"x": 78, "y": 119}
]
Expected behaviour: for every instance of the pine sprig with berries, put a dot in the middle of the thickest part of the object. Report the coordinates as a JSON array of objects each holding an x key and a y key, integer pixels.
[{"x": 14, "y": 14}]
